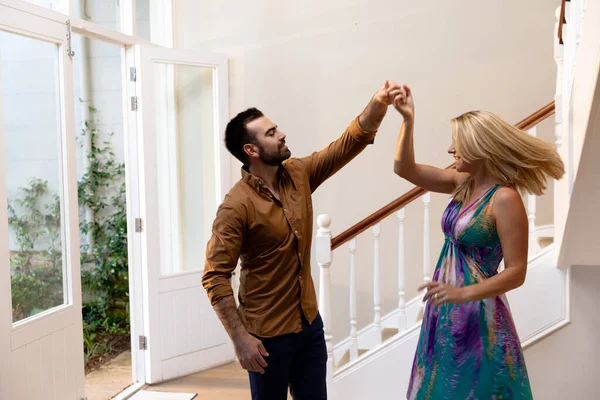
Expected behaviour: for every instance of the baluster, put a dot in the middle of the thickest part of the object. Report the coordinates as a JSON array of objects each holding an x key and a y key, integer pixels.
[
  {"x": 323, "y": 243},
  {"x": 426, "y": 252},
  {"x": 561, "y": 199},
  {"x": 581, "y": 11},
  {"x": 401, "y": 272},
  {"x": 353, "y": 333},
  {"x": 571, "y": 51},
  {"x": 534, "y": 245},
  {"x": 578, "y": 19},
  {"x": 558, "y": 97},
  {"x": 376, "y": 284}
]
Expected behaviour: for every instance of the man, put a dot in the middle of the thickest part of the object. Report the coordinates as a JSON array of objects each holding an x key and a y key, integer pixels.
[{"x": 266, "y": 221}]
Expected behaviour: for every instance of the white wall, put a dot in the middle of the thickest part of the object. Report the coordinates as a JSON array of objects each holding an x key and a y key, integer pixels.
[
  {"x": 565, "y": 364},
  {"x": 313, "y": 66},
  {"x": 580, "y": 242}
]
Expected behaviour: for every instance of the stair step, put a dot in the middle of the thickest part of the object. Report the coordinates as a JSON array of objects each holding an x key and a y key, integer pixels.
[
  {"x": 545, "y": 241},
  {"x": 346, "y": 357},
  {"x": 388, "y": 333},
  {"x": 421, "y": 312}
]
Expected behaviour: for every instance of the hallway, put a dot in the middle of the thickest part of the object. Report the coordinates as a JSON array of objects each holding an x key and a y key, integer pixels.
[{"x": 228, "y": 382}]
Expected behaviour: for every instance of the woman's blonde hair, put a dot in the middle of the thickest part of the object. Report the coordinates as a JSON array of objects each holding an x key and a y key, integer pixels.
[{"x": 511, "y": 155}]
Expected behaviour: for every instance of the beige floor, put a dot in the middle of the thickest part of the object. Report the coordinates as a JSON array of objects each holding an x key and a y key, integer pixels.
[
  {"x": 110, "y": 379},
  {"x": 229, "y": 382}
]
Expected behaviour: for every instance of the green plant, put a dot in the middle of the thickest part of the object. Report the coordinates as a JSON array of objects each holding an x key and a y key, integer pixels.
[
  {"x": 89, "y": 344},
  {"x": 104, "y": 258},
  {"x": 102, "y": 190},
  {"x": 36, "y": 266}
]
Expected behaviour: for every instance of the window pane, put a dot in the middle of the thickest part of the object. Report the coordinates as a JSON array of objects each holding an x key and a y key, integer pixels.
[
  {"x": 98, "y": 94},
  {"x": 32, "y": 130},
  {"x": 108, "y": 14},
  {"x": 102, "y": 12},
  {"x": 50, "y": 4},
  {"x": 142, "y": 19},
  {"x": 186, "y": 143}
]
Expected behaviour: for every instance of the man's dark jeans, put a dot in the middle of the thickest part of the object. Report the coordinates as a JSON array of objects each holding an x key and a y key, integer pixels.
[{"x": 296, "y": 359}]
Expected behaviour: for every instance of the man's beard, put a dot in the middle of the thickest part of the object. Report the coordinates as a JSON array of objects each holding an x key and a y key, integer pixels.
[{"x": 274, "y": 158}]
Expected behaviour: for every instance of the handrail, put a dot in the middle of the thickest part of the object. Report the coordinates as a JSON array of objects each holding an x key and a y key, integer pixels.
[
  {"x": 417, "y": 192},
  {"x": 562, "y": 20}
]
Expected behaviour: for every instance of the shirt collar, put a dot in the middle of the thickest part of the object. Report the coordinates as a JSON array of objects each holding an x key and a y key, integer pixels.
[{"x": 256, "y": 183}]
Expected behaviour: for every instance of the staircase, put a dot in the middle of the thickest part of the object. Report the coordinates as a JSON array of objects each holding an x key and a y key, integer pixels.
[
  {"x": 367, "y": 337},
  {"x": 376, "y": 361}
]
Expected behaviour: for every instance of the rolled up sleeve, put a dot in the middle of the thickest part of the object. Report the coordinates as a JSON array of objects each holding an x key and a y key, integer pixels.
[
  {"x": 222, "y": 253},
  {"x": 323, "y": 164},
  {"x": 359, "y": 134}
]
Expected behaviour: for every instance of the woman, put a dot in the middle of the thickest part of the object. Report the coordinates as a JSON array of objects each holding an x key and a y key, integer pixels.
[{"x": 468, "y": 347}]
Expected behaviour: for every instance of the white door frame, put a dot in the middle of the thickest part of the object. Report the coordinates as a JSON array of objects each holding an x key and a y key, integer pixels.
[
  {"x": 47, "y": 21},
  {"x": 134, "y": 239},
  {"x": 38, "y": 330},
  {"x": 147, "y": 207},
  {"x": 126, "y": 38}
]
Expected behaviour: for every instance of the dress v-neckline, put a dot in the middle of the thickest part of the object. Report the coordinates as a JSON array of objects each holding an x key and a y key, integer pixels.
[{"x": 461, "y": 212}]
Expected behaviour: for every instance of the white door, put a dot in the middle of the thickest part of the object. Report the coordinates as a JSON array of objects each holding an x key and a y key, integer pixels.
[
  {"x": 41, "y": 341},
  {"x": 183, "y": 177}
]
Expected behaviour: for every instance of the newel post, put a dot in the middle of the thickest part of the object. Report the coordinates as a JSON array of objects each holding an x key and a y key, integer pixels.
[{"x": 323, "y": 243}]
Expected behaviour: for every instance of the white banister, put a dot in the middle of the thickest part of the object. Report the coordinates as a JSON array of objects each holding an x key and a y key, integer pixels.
[
  {"x": 558, "y": 96},
  {"x": 376, "y": 284},
  {"x": 575, "y": 21},
  {"x": 569, "y": 31},
  {"x": 581, "y": 11},
  {"x": 401, "y": 272},
  {"x": 353, "y": 331},
  {"x": 426, "y": 239},
  {"x": 564, "y": 56},
  {"x": 559, "y": 199},
  {"x": 578, "y": 20},
  {"x": 534, "y": 245},
  {"x": 323, "y": 244}
]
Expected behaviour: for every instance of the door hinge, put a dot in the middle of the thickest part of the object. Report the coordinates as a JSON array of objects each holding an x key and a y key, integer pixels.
[
  {"x": 143, "y": 343},
  {"x": 132, "y": 74},
  {"x": 134, "y": 103},
  {"x": 70, "y": 51},
  {"x": 139, "y": 225}
]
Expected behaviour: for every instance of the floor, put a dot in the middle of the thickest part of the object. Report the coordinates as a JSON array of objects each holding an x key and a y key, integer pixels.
[
  {"x": 110, "y": 379},
  {"x": 229, "y": 382}
]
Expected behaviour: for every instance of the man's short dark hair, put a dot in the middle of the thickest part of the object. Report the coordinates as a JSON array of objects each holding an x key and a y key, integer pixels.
[{"x": 237, "y": 134}]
